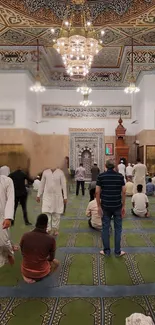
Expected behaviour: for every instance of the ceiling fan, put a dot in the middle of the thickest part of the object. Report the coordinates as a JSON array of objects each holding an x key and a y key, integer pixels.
[
  {"x": 39, "y": 122},
  {"x": 135, "y": 122}
]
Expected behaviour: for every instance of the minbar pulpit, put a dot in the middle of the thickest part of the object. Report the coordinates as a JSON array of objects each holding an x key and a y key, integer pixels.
[{"x": 121, "y": 148}]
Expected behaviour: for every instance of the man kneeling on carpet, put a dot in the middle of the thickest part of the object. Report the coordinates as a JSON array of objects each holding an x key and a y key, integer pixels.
[
  {"x": 140, "y": 203},
  {"x": 38, "y": 250},
  {"x": 94, "y": 221}
]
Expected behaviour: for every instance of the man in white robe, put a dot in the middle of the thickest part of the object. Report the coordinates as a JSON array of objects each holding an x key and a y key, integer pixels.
[
  {"x": 129, "y": 170},
  {"x": 54, "y": 190},
  {"x": 6, "y": 216},
  {"x": 139, "y": 176},
  {"x": 5, "y": 170},
  {"x": 121, "y": 169}
]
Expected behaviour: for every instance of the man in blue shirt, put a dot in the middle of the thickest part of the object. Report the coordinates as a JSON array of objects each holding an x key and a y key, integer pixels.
[
  {"x": 150, "y": 188},
  {"x": 110, "y": 196}
]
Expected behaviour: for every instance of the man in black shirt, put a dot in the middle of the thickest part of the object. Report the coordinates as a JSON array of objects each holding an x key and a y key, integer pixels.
[
  {"x": 110, "y": 196},
  {"x": 19, "y": 178}
]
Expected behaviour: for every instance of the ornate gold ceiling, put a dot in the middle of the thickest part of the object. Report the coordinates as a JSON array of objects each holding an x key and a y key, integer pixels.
[{"x": 23, "y": 21}]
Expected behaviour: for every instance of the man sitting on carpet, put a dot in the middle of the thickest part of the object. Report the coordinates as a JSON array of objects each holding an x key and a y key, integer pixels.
[
  {"x": 150, "y": 188},
  {"x": 38, "y": 250},
  {"x": 94, "y": 221},
  {"x": 140, "y": 203},
  {"x": 129, "y": 187}
]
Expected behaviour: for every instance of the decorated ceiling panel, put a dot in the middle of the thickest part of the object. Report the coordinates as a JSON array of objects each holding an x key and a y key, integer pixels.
[{"x": 22, "y": 22}]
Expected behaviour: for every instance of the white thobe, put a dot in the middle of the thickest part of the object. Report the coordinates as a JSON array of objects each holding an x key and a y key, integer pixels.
[
  {"x": 51, "y": 187},
  {"x": 129, "y": 170},
  {"x": 5, "y": 170},
  {"x": 121, "y": 169},
  {"x": 6, "y": 212},
  {"x": 36, "y": 184},
  {"x": 139, "y": 319},
  {"x": 139, "y": 174}
]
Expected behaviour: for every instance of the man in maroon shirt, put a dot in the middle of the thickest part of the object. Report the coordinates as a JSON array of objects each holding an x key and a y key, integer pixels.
[{"x": 38, "y": 250}]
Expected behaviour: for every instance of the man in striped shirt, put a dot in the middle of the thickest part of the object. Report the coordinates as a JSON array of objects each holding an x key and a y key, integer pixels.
[{"x": 110, "y": 196}]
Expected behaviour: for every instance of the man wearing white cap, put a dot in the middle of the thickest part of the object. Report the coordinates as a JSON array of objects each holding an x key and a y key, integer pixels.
[
  {"x": 121, "y": 168},
  {"x": 5, "y": 170}
]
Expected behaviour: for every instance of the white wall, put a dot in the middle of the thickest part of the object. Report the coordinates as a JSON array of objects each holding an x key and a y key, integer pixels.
[
  {"x": 12, "y": 96},
  {"x": 71, "y": 98},
  {"x": 15, "y": 94}
]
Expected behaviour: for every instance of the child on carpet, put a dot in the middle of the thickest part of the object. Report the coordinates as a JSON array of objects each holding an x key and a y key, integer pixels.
[
  {"x": 140, "y": 203},
  {"x": 94, "y": 221}
]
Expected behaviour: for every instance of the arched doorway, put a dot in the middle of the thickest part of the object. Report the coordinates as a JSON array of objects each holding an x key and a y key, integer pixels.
[{"x": 86, "y": 159}]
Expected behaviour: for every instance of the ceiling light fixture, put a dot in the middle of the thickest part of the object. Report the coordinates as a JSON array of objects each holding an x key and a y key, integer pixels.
[
  {"x": 84, "y": 90},
  {"x": 132, "y": 86},
  {"x": 85, "y": 102},
  {"x": 37, "y": 87},
  {"x": 77, "y": 46}
]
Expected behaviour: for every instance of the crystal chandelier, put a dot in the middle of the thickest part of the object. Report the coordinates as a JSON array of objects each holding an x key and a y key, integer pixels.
[
  {"x": 85, "y": 102},
  {"x": 77, "y": 46},
  {"x": 84, "y": 90},
  {"x": 37, "y": 87},
  {"x": 132, "y": 86}
]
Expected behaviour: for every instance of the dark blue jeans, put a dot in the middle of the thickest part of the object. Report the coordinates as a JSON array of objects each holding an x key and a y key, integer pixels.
[{"x": 107, "y": 215}]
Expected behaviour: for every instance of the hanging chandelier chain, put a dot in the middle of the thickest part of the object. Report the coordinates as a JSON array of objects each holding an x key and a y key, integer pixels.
[
  {"x": 132, "y": 54},
  {"x": 38, "y": 57}
]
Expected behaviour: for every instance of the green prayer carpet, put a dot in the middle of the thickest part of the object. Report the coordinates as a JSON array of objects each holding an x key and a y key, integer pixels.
[{"x": 83, "y": 268}]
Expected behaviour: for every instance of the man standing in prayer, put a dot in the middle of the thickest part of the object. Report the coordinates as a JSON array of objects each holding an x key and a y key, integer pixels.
[
  {"x": 19, "y": 178},
  {"x": 129, "y": 170},
  {"x": 153, "y": 180},
  {"x": 38, "y": 250},
  {"x": 6, "y": 216},
  {"x": 139, "y": 176},
  {"x": 80, "y": 176},
  {"x": 121, "y": 168},
  {"x": 95, "y": 172},
  {"x": 110, "y": 196},
  {"x": 53, "y": 188}
]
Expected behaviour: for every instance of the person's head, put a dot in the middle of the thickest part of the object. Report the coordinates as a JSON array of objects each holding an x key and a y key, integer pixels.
[
  {"x": 93, "y": 192},
  {"x": 138, "y": 160},
  {"x": 121, "y": 161},
  {"x": 38, "y": 177},
  {"x": 42, "y": 221},
  {"x": 95, "y": 163},
  {"x": 150, "y": 180},
  {"x": 129, "y": 179},
  {"x": 110, "y": 164},
  {"x": 129, "y": 164},
  {"x": 81, "y": 164},
  {"x": 139, "y": 188}
]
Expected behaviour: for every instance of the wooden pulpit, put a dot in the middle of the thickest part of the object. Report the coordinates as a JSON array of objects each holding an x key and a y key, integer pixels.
[{"x": 121, "y": 148}]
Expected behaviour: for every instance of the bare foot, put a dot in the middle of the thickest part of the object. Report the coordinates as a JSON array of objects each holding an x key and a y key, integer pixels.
[
  {"x": 121, "y": 254},
  {"x": 102, "y": 252},
  {"x": 27, "y": 280}
]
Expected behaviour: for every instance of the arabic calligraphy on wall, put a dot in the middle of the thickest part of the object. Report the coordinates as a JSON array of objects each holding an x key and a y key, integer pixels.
[{"x": 52, "y": 111}]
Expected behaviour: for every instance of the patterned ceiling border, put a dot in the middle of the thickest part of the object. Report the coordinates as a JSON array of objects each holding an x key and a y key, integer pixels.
[
  {"x": 102, "y": 12},
  {"x": 104, "y": 112}
]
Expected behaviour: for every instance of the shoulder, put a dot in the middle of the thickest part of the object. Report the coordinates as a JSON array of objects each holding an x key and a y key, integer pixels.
[
  {"x": 50, "y": 239},
  {"x": 6, "y": 180},
  {"x": 26, "y": 235}
]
